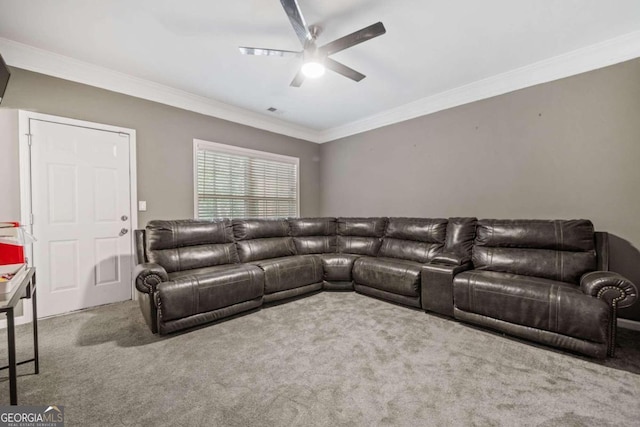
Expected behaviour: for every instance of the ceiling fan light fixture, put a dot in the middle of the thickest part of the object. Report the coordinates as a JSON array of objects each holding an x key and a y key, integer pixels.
[
  {"x": 313, "y": 69},
  {"x": 315, "y": 60}
]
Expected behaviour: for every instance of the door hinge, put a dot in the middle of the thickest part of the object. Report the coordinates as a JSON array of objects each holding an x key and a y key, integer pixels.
[
  {"x": 29, "y": 139},
  {"x": 31, "y": 219}
]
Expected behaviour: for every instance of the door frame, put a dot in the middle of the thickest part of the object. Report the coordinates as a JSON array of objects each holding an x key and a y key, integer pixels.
[{"x": 24, "y": 118}]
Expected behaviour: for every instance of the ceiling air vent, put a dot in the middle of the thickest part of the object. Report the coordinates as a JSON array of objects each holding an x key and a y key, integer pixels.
[{"x": 274, "y": 110}]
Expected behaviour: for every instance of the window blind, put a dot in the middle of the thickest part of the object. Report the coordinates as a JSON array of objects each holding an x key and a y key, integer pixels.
[{"x": 250, "y": 186}]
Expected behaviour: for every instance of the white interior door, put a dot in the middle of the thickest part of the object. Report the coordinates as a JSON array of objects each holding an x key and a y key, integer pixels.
[{"x": 81, "y": 208}]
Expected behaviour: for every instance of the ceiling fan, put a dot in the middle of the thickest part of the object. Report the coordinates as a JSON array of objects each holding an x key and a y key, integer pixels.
[{"x": 316, "y": 59}]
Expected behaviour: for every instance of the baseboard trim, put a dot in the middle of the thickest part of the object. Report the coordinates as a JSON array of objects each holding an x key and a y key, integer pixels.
[{"x": 629, "y": 324}]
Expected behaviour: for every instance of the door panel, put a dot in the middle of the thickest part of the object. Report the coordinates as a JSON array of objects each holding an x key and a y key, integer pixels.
[
  {"x": 107, "y": 265},
  {"x": 106, "y": 185},
  {"x": 63, "y": 265},
  {"x": 63, "y": 189},
  {"x": 80, "y": 193}
]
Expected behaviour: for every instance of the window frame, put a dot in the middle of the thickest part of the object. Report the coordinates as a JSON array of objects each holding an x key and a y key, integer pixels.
[{"x": 248, "y": 152}]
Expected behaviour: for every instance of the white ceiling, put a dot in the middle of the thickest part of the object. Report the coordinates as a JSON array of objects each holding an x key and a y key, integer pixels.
[{"x": 430, "y": 48}]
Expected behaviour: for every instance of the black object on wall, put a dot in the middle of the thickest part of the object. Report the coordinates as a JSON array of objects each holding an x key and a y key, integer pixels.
[{"x": 4, "y": 77}]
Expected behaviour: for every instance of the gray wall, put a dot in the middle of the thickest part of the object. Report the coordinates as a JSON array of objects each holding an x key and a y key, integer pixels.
[
  {"x": 9, "y": 167},
  {"x": 565, "y": 149},
  {"x": 164, "y": 140}
]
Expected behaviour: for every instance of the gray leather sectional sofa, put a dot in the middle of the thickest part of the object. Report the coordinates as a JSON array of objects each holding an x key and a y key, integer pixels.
[{"x": 541, "y": 280}]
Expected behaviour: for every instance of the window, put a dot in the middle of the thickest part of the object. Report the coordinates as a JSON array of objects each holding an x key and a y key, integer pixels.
[{"x": 233, "y": 182}]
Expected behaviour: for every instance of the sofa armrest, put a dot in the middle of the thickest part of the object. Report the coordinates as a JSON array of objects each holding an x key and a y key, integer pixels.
[
  {"x": 436, "y": 286},
  {"x": 450, "y": 258},
  {"x": 148, "y": 275},
  {"x": 614, "y": 289},
  {"x": 611, "y": 287},
  {"x": 448, "y": 269}
]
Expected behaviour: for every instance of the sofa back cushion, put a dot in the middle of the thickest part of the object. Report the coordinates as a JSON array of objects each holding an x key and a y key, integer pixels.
[
  {"x": 258, "y": 239},
  {"x": 560, "y": 250},
  {"x": 361, "y": 227},
  {"x": 414, "y": 239},
  {"x": 313, "y": 235},
  {"x": 187, "y": 244},
  {"x": 428, "y": 230},
  {"x": 312, "y": 226},
  {"x": 461, "y": 232},
  {"x": 360, "y": 236},
  {"x": 246, "y": 229},
  {"x": 272, "y": 247}
]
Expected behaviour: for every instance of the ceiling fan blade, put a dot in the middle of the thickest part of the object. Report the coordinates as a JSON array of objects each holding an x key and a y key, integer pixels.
[
  {"x": 297, "y": 80},
  {"x": 292, "y": 10},
  {"x": 353, "y": 39},
  {"x": 267, "y": 52},
  {"x": 340, "y": 68}
]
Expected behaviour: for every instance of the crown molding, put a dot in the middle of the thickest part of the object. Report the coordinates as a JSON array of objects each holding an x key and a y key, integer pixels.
[
  {"x": 589, "y": 58},
  {"x": 42, "y": 61}
]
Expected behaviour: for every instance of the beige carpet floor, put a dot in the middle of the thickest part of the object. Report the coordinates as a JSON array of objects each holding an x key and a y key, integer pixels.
[{"x": 325, "y": 360}]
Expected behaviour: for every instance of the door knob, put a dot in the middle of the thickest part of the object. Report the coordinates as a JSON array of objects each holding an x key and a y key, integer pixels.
[
  {"x": 124, "y": 217},
  {"x": 123, "y": 231}
]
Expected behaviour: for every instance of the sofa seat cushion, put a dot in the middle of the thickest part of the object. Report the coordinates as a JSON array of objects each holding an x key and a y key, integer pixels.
[
  {"x": 281, "y": 274},
  {"x": 201, "y": 271},
  {"x": 532, "y": 301},
  {"x": 389, "y": 274},
  {"x": 205, "y": 289},
  {"x": 338, "y": 267}
]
